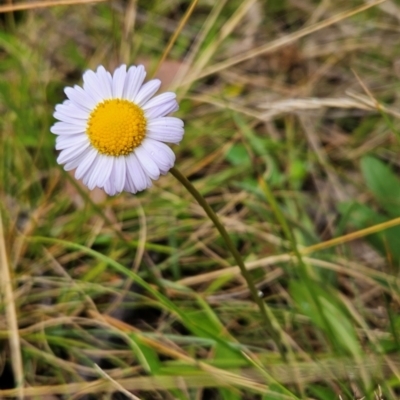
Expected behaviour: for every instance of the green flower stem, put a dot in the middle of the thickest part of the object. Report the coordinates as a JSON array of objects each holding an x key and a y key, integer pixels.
[{"x": 272, "y": 331}]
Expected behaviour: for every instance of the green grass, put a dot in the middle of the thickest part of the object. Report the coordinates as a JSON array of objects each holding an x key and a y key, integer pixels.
[{"x": 289, "y": 148}]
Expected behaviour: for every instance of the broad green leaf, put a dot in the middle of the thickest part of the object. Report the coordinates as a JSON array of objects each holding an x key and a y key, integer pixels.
[
  {"x": 326, "y": 311},
  {"x": 147, "y": 356},
  {"x": 321, "y": 392},
  {"x": 340, "y": 326},
  {"x": 360, "y": 216},
  {"x": 231, "y": 394},
  {"x": 383, "y": 183},
  {"x": 238, "y": 155}
]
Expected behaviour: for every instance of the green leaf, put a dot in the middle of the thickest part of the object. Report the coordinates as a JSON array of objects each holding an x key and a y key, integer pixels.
[
  {"x": 297, "y": 172},
  {"x": 277, "y": 392},
  {"x": 323, "y": 393},
  {"x": 383, "y": 183},
  {"x": 231, "y": 394},
  {"x": 340, "y": 326},
  {"x": 237, "y": 155},
  {"x": 147, "y": 356},
  {"x": 361, "y": 216},
  {"x": 327, "y": 312}
]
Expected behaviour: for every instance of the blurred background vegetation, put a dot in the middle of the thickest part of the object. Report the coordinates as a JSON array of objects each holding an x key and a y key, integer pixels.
[{"x": 291, "y": 111}]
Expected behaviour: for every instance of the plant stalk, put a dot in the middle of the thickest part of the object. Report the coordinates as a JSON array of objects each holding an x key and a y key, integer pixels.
[{"x": 272, "y": 331}]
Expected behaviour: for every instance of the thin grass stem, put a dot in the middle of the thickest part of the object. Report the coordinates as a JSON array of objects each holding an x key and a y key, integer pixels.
[
  {"x": 176, "y": 34},
  {"x": 11, "y": 316},
  {"x": 42, "y": 4}
]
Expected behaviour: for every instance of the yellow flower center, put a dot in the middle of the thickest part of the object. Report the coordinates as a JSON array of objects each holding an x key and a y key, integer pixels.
[{"x": 116, "y": 127}]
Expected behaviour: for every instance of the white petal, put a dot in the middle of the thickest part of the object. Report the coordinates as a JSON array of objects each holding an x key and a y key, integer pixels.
[
  {"x": 71, "y": 153},
  {"x": 107, "y": 168},
  {"x": 129, "y": 187},
  {"x": 71, "y": 109},
  {"x": 129, "y": 183},
  {"x": 119, "y": 81},
  {"x": 161, "y": 110},
  {"x": 147, "y": 163},
  {"x": 166, "y": 129},
  {"x": 74, "y": 162},
  {"x": 172, "y": 122},
  {"x": 161, "y": 154},
  {"x": 100, "y": 171},
  {"x": 133, "y": 82},
  {"x": 93, "y": 86},
  {"x": 63, "y": 128},
  {"x": 105, "y": 79},
  {"x": 65, "y": 141},
  {"x": 80, "y": 98},
  {"x": 147, "y": 91},
  {"x": 118, "y": 174},
  {"x": 70, "y": 119},
  {"x": 109, "y": 188},
  {"x": 92, "y": 172},
  {"x": 135, "y": 171},
  {"x": 86, "y": 163},
  {"x": 160, "y": 99}
]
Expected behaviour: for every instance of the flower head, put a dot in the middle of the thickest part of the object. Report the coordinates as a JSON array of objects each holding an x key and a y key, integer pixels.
[{"x": 113, "y": 130}]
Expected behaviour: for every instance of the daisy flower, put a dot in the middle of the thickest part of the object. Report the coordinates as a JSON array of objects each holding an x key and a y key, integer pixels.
[{"x": 113, "y": 131}]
